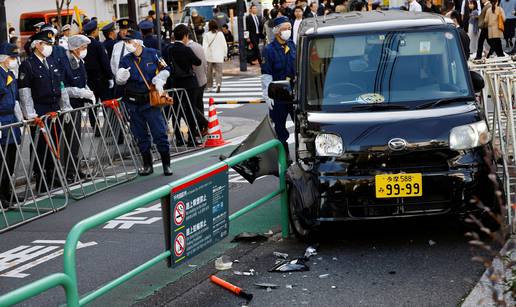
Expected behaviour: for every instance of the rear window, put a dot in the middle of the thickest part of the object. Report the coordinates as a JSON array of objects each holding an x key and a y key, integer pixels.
[
  {"x": 204, "y": 11},
  {"x": 27, "y": 25}
]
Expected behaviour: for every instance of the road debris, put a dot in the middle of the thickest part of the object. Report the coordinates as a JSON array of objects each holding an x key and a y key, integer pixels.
[
  {"x": 334, "y": 258},
  {"x": 266, "y": 285},
  {"x": 324, "y": 275},
  {"x": 232, "y": 288},
  {"x": 251, "y": 272},
  {"x": 296, "y": 265},
  {"x": 431, "y": 242},
  {"x": 310, "y": 251},
  {"x": 222, "y": 263},
  {"x": 289, "y": 286},
  {"x": 334, "y": 287},
  {"x": 268, "y": 233},
  {"x": 280, "y": 255},
  {"x": 249, "y": 237}
]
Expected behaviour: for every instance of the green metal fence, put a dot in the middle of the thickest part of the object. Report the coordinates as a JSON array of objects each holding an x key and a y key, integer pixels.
[{"x": 68, "y": 279}]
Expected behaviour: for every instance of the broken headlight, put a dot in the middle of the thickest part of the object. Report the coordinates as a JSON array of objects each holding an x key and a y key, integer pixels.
[
  {"x": 469, "y": 136},
  {"x": 328, "y": 145}
]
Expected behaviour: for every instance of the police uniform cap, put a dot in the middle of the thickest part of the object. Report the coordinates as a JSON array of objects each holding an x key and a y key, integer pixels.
[
  {"x": 49, "y": 27},
  {"x": 90, "y": 26},
  {"x": 145, "y": 25},
  {"x": 124, "y": 23},
  {"x": 109, "y": 27},
  {"x": 9, "y": 49},
  {"x": 39, "y": 24},
  {"x": 280, "y": 20},
  {"x": 133, "y": 34},
  {"x": 65, "y": 28},
  {"x": 76, "y": 41},
  {"x": 46, "y": 36}
]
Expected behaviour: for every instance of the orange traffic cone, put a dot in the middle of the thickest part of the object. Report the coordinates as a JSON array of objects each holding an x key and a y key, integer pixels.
[{"x": 214, "y": 134}]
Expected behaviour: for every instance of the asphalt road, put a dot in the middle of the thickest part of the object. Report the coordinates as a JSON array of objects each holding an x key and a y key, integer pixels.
[{"x": 413, "y": 262}]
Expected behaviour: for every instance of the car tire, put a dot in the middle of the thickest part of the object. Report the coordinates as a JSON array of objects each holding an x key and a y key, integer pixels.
[{"x": 298, "y": 224}]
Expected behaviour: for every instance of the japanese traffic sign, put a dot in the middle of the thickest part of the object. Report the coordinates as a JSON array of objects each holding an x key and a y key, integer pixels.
[{"x": 198, "y": 214}]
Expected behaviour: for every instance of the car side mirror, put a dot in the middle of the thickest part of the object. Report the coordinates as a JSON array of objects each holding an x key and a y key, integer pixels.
[
  {"x": 280, "y": 90},
  {"x": 478, "y": 81}
]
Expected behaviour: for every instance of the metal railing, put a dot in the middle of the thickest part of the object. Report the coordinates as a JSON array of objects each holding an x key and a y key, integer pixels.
[{"x": 68, "y": 279}]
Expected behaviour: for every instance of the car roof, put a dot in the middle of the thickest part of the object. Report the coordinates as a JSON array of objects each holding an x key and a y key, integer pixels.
[
  {"x": 370, "y": 21},
  {"x": 209, "y": 3}
]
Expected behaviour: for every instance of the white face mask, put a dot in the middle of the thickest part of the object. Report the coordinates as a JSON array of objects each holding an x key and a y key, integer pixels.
[
  {"x": 83, "y": 53},
  {"x": 285, "y": 35},
  {"x": 47, "y": 51},
  {"x": 13, "y": 65},
  {"x": 130, "y": 48}
]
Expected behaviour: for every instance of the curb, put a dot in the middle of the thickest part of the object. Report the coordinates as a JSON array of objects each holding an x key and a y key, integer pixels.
[{"x": 481, "y": 295}]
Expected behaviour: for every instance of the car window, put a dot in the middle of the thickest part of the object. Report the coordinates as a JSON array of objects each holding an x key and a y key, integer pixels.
[
  {"x": 27, "y": 24},
  {"x": 390, "y": 67},
  {"x": 204, "y": 11}
]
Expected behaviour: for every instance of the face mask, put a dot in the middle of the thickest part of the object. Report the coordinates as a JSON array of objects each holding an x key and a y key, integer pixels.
[
  {"x": 47, "y": 51},
  {"x": 130, "y": 48},
  {"x": 83, "y": 53},
  {"x": 285, "y": 35},
  {"x": 13, "y": 65}
]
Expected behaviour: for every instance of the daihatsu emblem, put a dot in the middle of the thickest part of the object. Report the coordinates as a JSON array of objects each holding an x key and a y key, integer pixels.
[{"x": 397, "y": 144}]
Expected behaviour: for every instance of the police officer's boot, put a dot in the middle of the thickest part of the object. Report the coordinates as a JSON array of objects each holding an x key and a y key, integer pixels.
[
  {"x": 165, "y": 161},
  {"x": 147, "y": 164}
]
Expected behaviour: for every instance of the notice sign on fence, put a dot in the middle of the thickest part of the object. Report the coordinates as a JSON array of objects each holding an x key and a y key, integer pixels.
[{"x": 199, "y": 214}]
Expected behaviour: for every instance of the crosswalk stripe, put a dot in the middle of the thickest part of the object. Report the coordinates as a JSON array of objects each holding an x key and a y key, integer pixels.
[
  {"x": 237, "y": 90},
  {"x": 225, "y": 106}
]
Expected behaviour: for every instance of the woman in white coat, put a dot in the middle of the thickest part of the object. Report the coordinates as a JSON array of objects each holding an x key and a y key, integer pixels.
[{"x": 216, "y": 50}]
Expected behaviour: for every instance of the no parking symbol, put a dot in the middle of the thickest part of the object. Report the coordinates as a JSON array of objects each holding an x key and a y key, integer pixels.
[{"x": 179, "y": 244}]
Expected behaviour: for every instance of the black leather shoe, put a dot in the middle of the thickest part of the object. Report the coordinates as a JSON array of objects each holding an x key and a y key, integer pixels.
[
  {"x": 147, "y": 164},
  {"x": 165, "y": 161}
]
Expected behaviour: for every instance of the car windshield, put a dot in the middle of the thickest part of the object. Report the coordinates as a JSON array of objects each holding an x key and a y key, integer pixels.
[
  {"x": 402, "y": 68},
  {"x": 204, "y": 11}
]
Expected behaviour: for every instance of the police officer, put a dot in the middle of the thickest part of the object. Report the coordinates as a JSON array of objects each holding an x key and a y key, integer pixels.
[
  {"x": 119, "y": 48},
  {"x": 79, "y": 93},
  {"x": 65, "y": 34},
  {"x": 278, "y": 63},
  {"x": 110, "y": 35},
  {"x": 136, "y": 97},
  {"x": 10, "y": 113},
  {"x": 41, "y": 91},
  {"x": 149, "y": 39}
]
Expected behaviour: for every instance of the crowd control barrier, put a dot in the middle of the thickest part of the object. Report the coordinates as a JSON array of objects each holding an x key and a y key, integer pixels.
[
  {"x": 68, "y": 279},
  {"x": 498, "y": 100}
]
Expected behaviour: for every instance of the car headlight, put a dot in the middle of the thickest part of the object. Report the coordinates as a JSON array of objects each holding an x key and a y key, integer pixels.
[
  {"x": 328, "y": 145},
  {"x": 469, "y": 136}
]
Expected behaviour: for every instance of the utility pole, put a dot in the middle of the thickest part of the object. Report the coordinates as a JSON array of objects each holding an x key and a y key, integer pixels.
[
  {"x": 158, "y": 21},
  {"x": 131, "y": 5},
  {"x": 3, "y": 22},
  {"x": 241, "y": 46}
]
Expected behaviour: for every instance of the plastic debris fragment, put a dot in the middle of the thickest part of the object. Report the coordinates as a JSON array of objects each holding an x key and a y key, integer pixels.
[
  {"x": 296, "y": 265},
  {"x": 280, "y": 255},
  {"x": 265, "y": 285},
  {"x": 310, "y": 251},
  {"x": 249, "y": 237},
  {"x": 222, "y": 263},
  {"x": 324, "y": 275},
  {"x": 232, "y": 288},
  {"x": 431, "y": 242}
]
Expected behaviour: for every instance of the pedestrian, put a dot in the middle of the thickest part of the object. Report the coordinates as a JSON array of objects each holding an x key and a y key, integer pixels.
[
  {"x": 65, "y": 34},
  {"x": 254, "y": 26},
  {"x": 41, "y": 90},
  {"x": 198, "y": 24},
  {"x": 482, "y": 24},
  {"x": 509, "y": 9},
  {"x": 149, "y": 38},
  {"x": 200, "y": 72},
  {"x": 466, "y": 12},
  {"x": 267, "y": 27},
  {"x": 76, "y": 84},
  {"x": 430, "y": 7},
  {"x": 287, "y": 11},
  {"x": 312, "y": 10},
  {"x": 279, "y": 63},
  {"x": 414, "y": 6},
  {"x": 216, "y": 50},
  {"x": 298, "y": 18},
  {"x": 10, "y": 113},
  {"x": 473, "y": 29},
  {"x": 152, "y": 18},
  {"x": 464, "y": 38},
  {"x": 119, "y": 48},
  {"x": 182, "y": 59},
  {"x": 167, "y": 26},
  {"x": 110, "y": 35},
  {"x": 495, "y": 16},
  {"x": 220, "y": 17},
  {"x": 139, "y": 67},
  {"x": 100, "y": 77}
]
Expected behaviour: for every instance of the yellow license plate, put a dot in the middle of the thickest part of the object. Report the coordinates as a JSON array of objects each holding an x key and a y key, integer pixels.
[{"x": 398, "y": 185}]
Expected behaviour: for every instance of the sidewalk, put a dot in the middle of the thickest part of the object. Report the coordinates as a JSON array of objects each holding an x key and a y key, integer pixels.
[{"x": 232, "y": 68}]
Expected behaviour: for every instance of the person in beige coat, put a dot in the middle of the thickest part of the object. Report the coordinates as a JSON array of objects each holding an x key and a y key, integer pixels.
[
  {"x": 494, "y": 34},
  {"x": 216, "y": 50}
]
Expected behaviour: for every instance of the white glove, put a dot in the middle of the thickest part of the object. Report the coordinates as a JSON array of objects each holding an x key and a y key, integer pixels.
[
  {"x": 17, "y": 111},
  {"x": 88, "y": 94},
  {"x": 122, "y": 75},
  {"x": 27, "y": 104},
  {"x": 163, "y": 75},
  {"x": 111, "y": 83},
  {"x": 270, "y": 103},
  {"x": 159, "y": 83}
]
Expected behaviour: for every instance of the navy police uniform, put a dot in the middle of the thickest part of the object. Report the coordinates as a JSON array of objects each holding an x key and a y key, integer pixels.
[
  {"x": 108, "y": 43},
  {"x": 149, "y": 38},
  {"x": 11, "y": 136},
  {"x": 97, "y": 65},
  {"x": 279, "y": 61}
]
